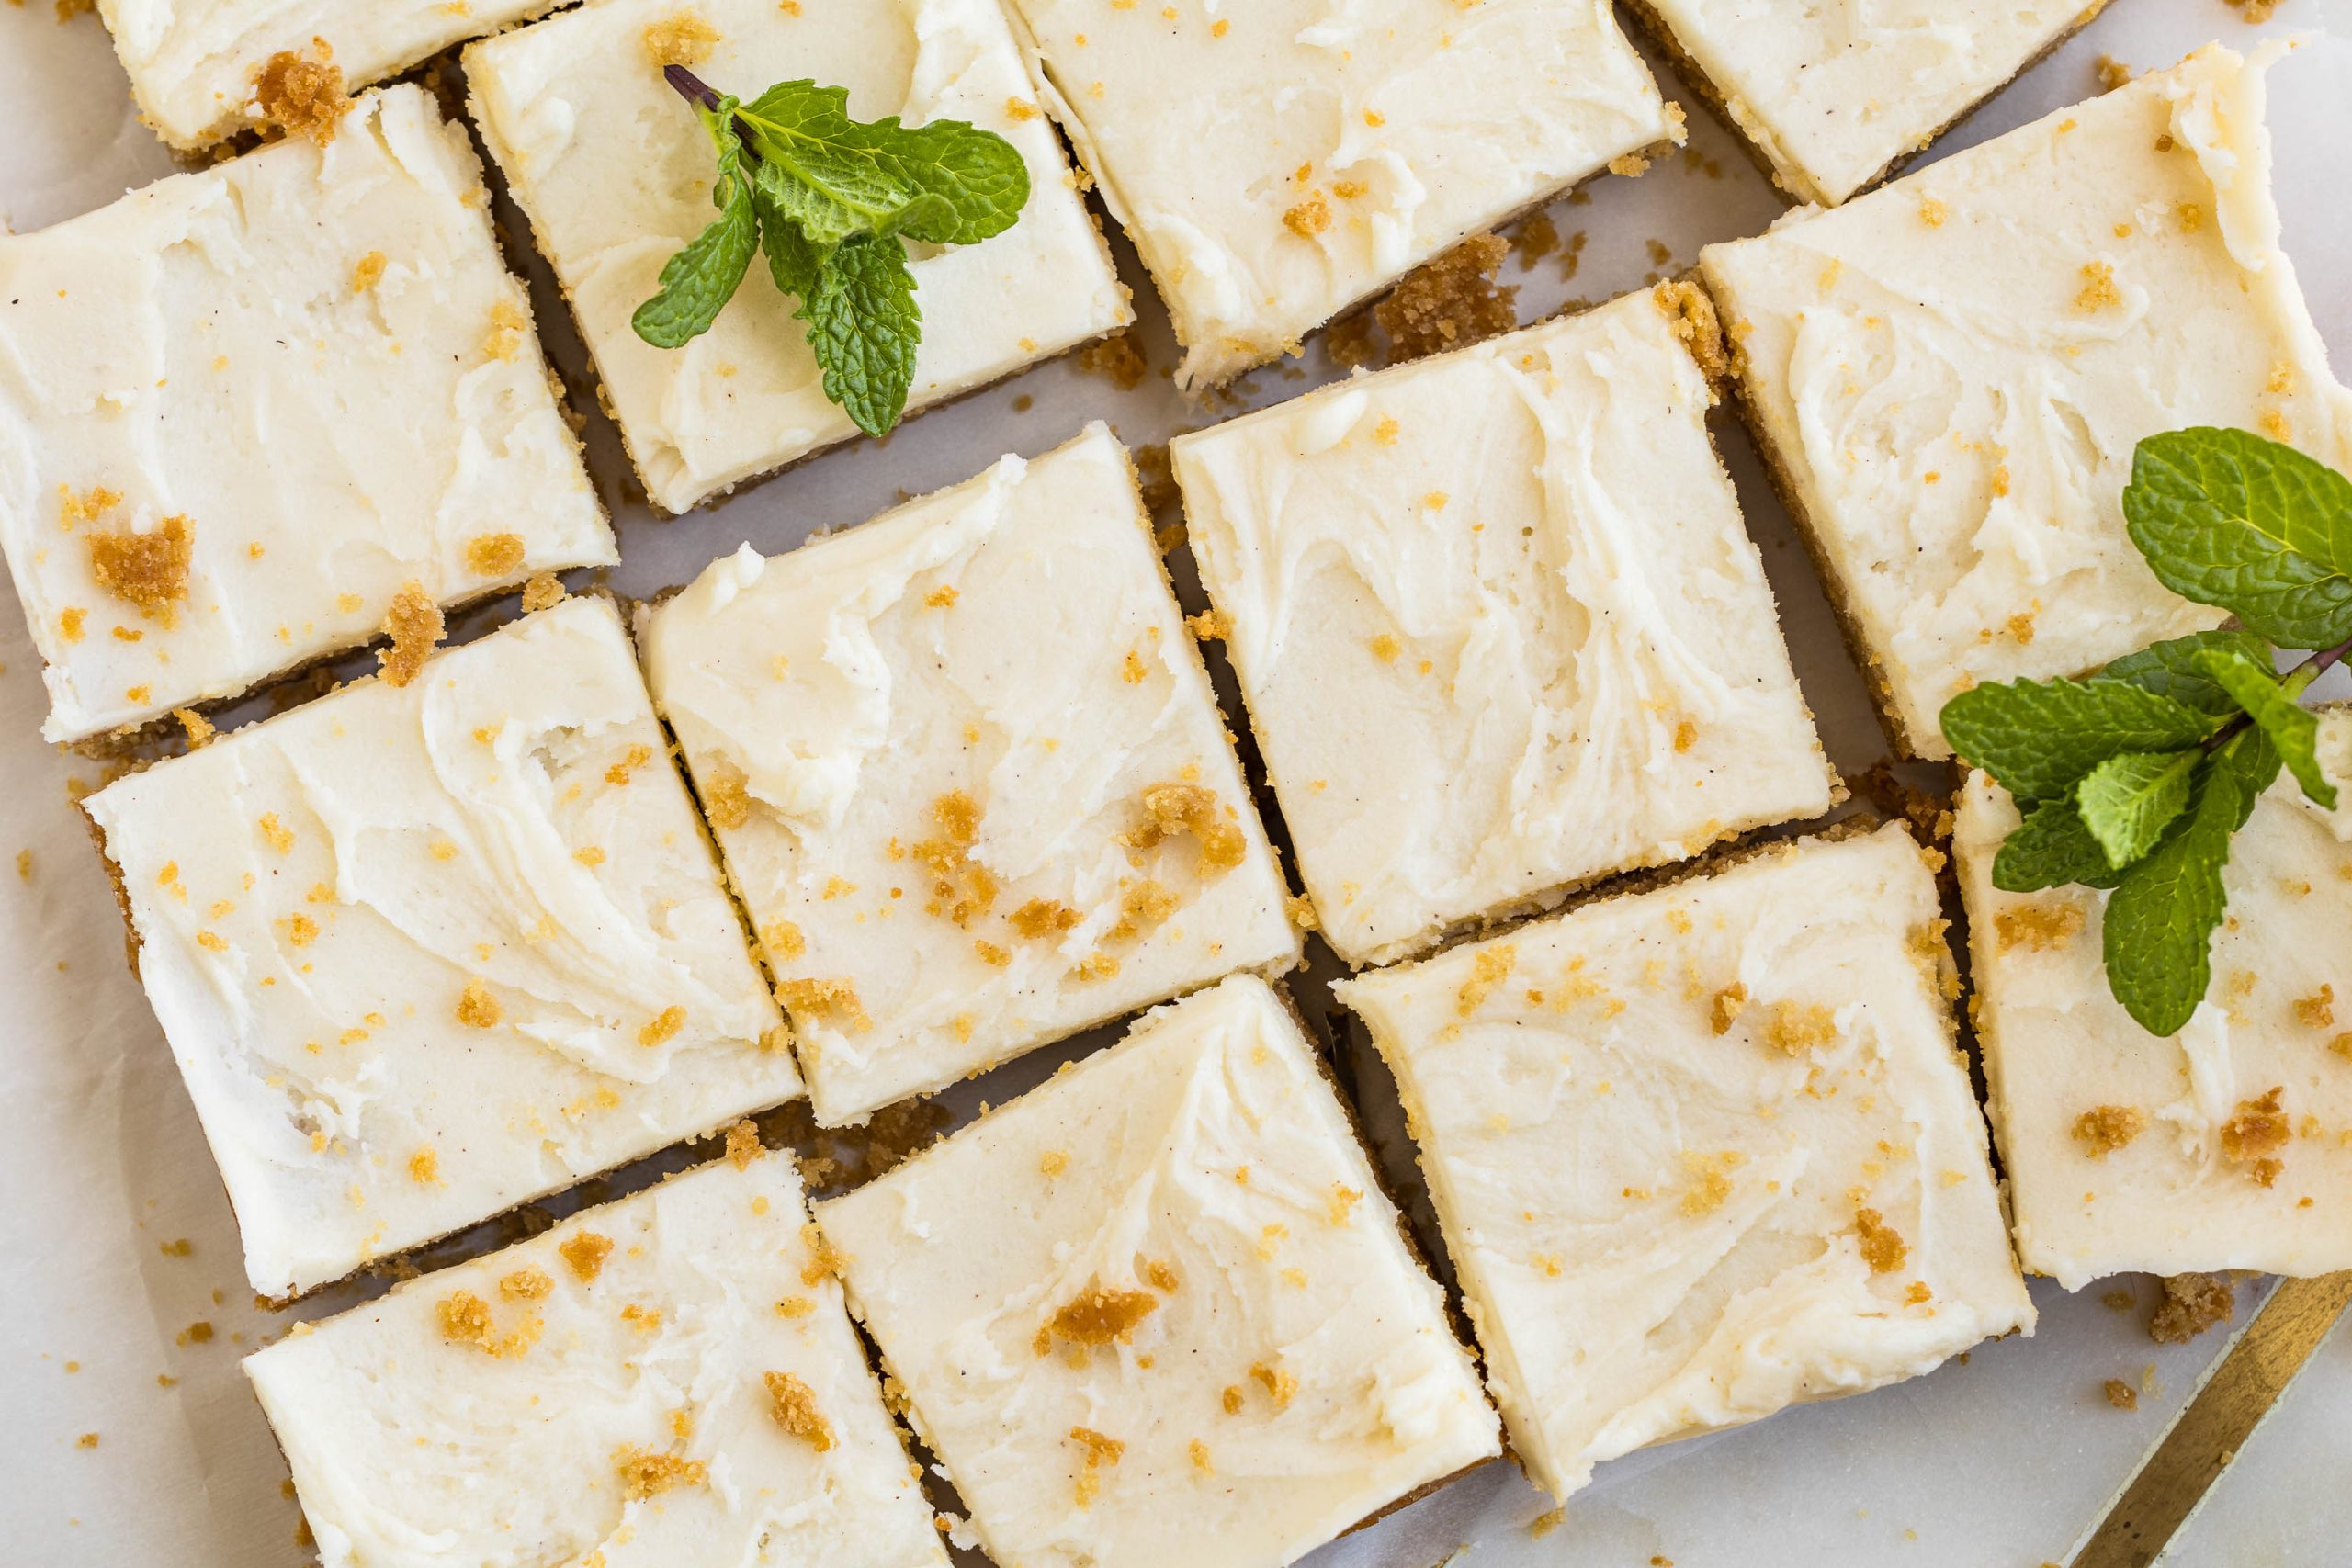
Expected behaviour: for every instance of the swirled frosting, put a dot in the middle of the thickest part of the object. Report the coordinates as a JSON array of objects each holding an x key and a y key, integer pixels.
[
  {"x": 1704, "y": 1151},
  {"x": 1157, "y": 1313},
  {"x": 1832, "y": 95},
  {"x": 2126, "y": 1152},
  {"x": 1951, "y": 374},
  {"x": 312, "y": 367},
  {"x": 665, "y": 1380},
  {"x": 1278, "y": 161},
  {"x": 614, "y": 174},
  {"x": 425, "y": 953},
  {"x": 969, "y": 776},
  {"x": 1499, "y": 625}
]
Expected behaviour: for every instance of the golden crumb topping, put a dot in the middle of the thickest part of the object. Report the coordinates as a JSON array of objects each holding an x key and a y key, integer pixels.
[
  {"x": 2098, "y": 291},
  {"x": 414, "y": 625},
  {"x": 795, "y": 1306},
  {"x": 1340, "y": 1203},
  {"x": 942, "y": 597},
  {"x": 834, "y": 1001},
  {"x": 2103, "y": 1129},
  {"x": 526, "y": 1285},
  {"x": 148, "y": 572},
  {"x": 1100, "y": 1451},
  {"x": 962, "y": 888},
  {"x": 1280, "y": 1385},
  {"x": 584, "y": 1254},
  {"x": 1043, "y": 917},
  {"x": 1792, "y": 1030},
  {"x": 793, "y": 1406},
  {"x": 663, "y": 1027},
  {"x": 1199, "y": 1451},
  {"x": 1309, "y": 218},
  {"x": 1118, "y": 358},
  {"x": 783, "y": 939},
  {"x": 1173, "y": 809},
  {"x": 2255, "y": 1136},
  {"x": 647, "y": 1474},
  {"x": 200, "y": 728},
  {"x": 1450, "y": 301},
  {"x": 2256, "y": 10},
  {"x": 367, "y": 272},
  {"x": 682, "y": 38},
  {"x": 88, "y": 507},
  {"x": 1053, "y": 1162},
  {"x": 1231, "y": 1399},
  {"x": 1692, "y": 318},
  {"x": 465, "y": 1319},
  {"x": 542, "y": 592},
  {"x": 2318, "y": 1010},
  {"x": 2113, "y": 74},
  {"x": 424, "y": 1168},
  {"x": 299, "y": 96},
  {"x": 1490, "y": 968},
  {"x": 508, "y": 324},
  {"x": 477, "y": 1008},
  {"x": 1723, "y": 1010},
  {"x": 493, "y": 555},
  {"x": 2191, "y": 1304},
  {"x": 636, "y": 757},
  {"x": 1884, "y": 1247},
  {"x": 1100, "y": 1315},
  {"x": 1710, "y": 1180},
  {"x": 825, "y": 1261},
  {"x": 743, "y": 1144},
  {"x": 727, "y": 793},
  {"x": 2036, "y": 927},
  {"x": 1162, "y": 1276},
  {"x": 1144, "y": 905}
]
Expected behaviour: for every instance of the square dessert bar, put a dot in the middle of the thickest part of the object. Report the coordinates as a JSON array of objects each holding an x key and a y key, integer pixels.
[
  {"x": 1829, "y": 103},
  {"x": 665, "y": 1380},
  {"x": 1156, "y": 1312},
  {"x": 249, "y": 407},
  {"x": 614, "y": 171},
  {"x": 423, "y": 953},
  {"x": 1948, "y": 378},
  {"x": 969, "y": 776},
  {"x": 1278, "y": 162},
  {"x": 203, "y": 70},
  {"x": 2228, "y": 1146},
  {"x": 1706, "y": 1151},
  {"x": 1498, "y": 625}
]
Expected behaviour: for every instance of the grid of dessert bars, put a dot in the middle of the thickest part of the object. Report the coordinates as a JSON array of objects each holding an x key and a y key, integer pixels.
[{"x": 861, "y": 819}]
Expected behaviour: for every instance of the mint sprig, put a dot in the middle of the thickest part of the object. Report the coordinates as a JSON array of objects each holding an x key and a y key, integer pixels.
[
  {"x": 2135, "y": 778},
  {"x": 832, "y": 201}
]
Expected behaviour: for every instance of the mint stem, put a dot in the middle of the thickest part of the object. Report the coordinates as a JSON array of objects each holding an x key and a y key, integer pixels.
[
  {"x": 703, "y": 96},
  {"x": 2296, "y": 681}
]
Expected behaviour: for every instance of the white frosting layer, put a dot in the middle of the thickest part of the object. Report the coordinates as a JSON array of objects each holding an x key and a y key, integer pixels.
[
  {"x": 212, "y": 348},
  {"x": 1833, "y": 94},
  {"x": 2058, "y": 1047},
  {"x": 1276, "y": 162},
  {"x": 412, "y": 1448},
  {"x": 1954, "y": 372},
  {"x": 1499, "y": 625},
  {"x": 1704, "y": 1151},
  {"x": 927, "y": 745},
  {"x": 1293, "y": 1371},
  {"x": 615, "y": 173},
  {"x": 191, "y": 62},
  {"x": 314, "y": 897}
]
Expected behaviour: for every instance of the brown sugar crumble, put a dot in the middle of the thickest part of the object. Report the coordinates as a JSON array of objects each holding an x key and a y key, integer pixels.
[
  {"x": 414, "y": 625},
  {"x": 542, "y": 592},
  {"x": 1724, "y": 1009},
  {"x": 465, "y": 1319},
  {"x": 493, "y": 555},
  {"x": 645, "y": 1474},
  {"x": 477, "y": 1008},
  {"x": 2103, "y": 1129},
  {"x": 1173, "y": 809},
  {"x": 2318, "y": 1010},
  {"x": 1310, "y": 217},
  {"x": 2255, "y": 1136},
  {"x": 2191, "y": 1304},
  {"x": 2113, "y": 74},
  {"x": 1490, "y": 968},
  {"x": 727, "y": 797},
  {"x": 1102, "y": 1315},
  {"x": 793, "y": 1406},
  {"x": 682, "y": 38},
  {"x": 1281, "y": 1386},
  {"x": 2256, "y": 10},
  {"x": 367, "y": 272},
  {"x": 1792, "y": 1030},
  {"x": 663, "y": 1027},
  {"x": 2098, "y": 291},
  {"x": 148, "y": 572},
  {"x": 299, "y": 96},
  {"x": 526, "y": 1285},
  {"x": 584, "y": 1254},
  {"x": 1100, "y": 1451},
  {"x": 2036, "y": 927},
  {"x": 1117, "y": 359},
  {"x": 2120, "y": 1395},
  {"x": 743, "y": 1144},
  {"x": 833, "y": 1001},
  {"x": 1451, "y": 301},
  {"x": 1883, "y": 1247}
]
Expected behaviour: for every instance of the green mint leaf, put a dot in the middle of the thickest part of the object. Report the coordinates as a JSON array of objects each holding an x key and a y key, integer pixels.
[
  {"x": 2128, "y": 801},
  {"x": 2157, "y": 935},
  {"x": 2039, "y": 737},
  {"x": 947, "y": 181},
  {"x": 2049, "y": 849},
  {"x": 864, "y": 326},
  {"x": 794, "y": 261},
  {"x": 2293, "y": 729},
  {"x": 2169, "y": 668},
  {"x": 697, "y": 283},
  {"x": 2228, "y": 518}
]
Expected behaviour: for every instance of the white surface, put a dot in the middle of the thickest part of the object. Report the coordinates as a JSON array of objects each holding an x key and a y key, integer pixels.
[
  {"x": 2281, "y": 1505},
  {"x": 2006, "y": 1459}
]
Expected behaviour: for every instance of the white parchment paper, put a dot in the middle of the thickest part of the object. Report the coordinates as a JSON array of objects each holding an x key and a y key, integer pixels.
[{"x": 115, "y": 1242}]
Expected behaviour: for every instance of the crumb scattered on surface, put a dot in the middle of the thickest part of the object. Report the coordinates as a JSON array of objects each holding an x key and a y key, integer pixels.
[
  {"x": 663, "y": 1027},
  {"x": 478, "y": 1007},
  {"x": 1117, "y": 358},
  {"x": 647, "y": 1474},
  {"x": 743, "y": 1144},
  {"x": 148, "y": 572},
  {"x": 1692, "y": 315},
  {"x": 2256, "y": 10},
  {"x": 1544, "y": 1524},
  {"x": 493, "y": 555},
  {"x": 2255, "y": 1136},
  {"x": 1280, "y": 1385},
  {"x": 414, "y": 625},
  {"x": 508, "y": 327},
  {"x": 727, "y": 793},
  {"x": 2120, "y": 1395},
  {"x": 542, "y": 592},
  {"x": 833, "y": 1001},
  {"x": 793, "y": 1406},
  {"x": 2036, "y": 927},
  {"x": 367, "y": 272},
  {"x": 685, "y": 36},
  {"x": 2112, "y": 72},
  {"x": 302, "y": 96},
  {"x": 526, "y": 1285},
  {"x": 1101, "y": 1315},
  {"x": 1710, "y": 1177},
  {"x": 2098, "y": 291},
  {"x": 1724, "y": 1009},
  {"x": 199, "y": 728},
  {"x": 1173, "y": 809},
  {"x": 2191, "y": 1304},
  {"x": 1793, "y": 1029},
  {"x": 1449, "y": 302},
  {"x": 2103, "y": 1129},
  {"x": 586, "y": 1253},
  {"x": 1489, "y": 969},
  {"x": 1883, "y": 1249},
  {"x": 466, "y": 1319}
]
